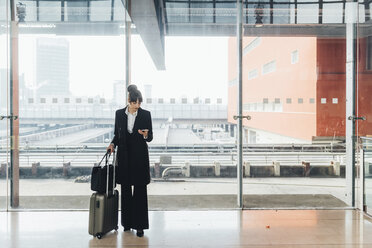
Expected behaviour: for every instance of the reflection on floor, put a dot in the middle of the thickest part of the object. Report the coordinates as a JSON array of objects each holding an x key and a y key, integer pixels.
[{"x": 249, "y": 228}]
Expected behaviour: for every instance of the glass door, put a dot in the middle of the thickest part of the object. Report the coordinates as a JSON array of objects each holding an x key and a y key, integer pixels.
[
  {"x": 294, "y": 91},
  {"x": 364, "y": 106},
  {"x": 4, "y": 131}
]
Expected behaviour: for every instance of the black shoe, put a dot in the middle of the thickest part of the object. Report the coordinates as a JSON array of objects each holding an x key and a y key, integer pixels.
[
  {"x": 126, "y": 229},
  {"x": 140, "y": 233}
]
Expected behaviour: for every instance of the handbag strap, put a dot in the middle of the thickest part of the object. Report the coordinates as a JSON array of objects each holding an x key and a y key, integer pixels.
[{"x": 104, "y": 156}]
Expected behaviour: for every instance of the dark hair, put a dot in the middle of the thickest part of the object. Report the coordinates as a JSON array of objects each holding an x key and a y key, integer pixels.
[{"x": 134, "y": 94}]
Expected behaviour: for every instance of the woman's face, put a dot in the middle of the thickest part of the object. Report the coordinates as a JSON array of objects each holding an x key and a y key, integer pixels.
[{"x": 135, "y": 105}]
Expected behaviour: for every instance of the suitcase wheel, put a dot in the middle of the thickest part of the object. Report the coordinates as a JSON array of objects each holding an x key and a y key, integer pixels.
[{"x": 99, "y": 236}]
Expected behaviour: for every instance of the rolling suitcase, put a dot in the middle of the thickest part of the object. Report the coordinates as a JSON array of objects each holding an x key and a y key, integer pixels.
[{"x": 103, "y": 210}]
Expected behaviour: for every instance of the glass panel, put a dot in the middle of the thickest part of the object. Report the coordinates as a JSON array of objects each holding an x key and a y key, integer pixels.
[
  {"x": 193, "y": 146},
  {"x": 100, "y": 10},
  {"x": 65, "y": 83},
  {"x": 332, "y": 13},
  {"x": 306, "y": 12},
  {"x": 4, "y": 147},
  {"x": 364, "y": 104},
  {"x": 177, "y": 12},
  {"x": 119, "y": 11},
  {"x": 367, "y": 147},
  {"x": 294, "y": 151},
  {"x": 49, "y": 11},
  {"x": 77, "y": 11}
]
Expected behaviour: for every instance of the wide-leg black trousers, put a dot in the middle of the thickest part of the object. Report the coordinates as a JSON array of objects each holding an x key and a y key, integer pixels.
[{"x": 134, "y": 209}]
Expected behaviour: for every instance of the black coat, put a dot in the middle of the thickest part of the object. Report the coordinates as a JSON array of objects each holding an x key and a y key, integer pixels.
[{"x": 133, "y": 158}]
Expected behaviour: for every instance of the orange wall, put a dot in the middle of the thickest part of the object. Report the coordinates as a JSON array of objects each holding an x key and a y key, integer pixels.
[
  {"x": 331, "y": 57},
  {"x": 364, "y": 90},
  {"x": 288, "y": 81}
]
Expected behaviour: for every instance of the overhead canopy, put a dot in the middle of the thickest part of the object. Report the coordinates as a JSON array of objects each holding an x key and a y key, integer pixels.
[{"x": 154, "y": 19}]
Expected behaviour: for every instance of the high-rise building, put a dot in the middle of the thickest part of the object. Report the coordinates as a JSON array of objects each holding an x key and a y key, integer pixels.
[
  {"x": 148, "y": 91},
  {"x": 119, "y": 93},
  {"x": 52, "y": 67}
]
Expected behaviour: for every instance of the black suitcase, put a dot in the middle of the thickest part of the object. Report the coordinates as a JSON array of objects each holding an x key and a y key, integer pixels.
[{"x": 103, "y": 210}]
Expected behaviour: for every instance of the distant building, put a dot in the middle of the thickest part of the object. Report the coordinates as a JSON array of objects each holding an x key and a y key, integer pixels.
[
  {"x": 52, "y": 67},
  {"x": 147, "y": 91},
  {"x": 119, "y": 92},
  {"x": 297, "y": 93}
]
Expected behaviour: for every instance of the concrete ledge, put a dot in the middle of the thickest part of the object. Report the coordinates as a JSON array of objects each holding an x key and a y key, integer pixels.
[{"x": 188, "y": 170}]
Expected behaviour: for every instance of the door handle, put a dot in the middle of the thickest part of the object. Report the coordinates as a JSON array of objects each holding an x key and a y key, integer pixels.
[
  {"x": 355, "y": 118},
  {"x": 14, "y": 117},
  {"x": 248, "y": 117}
]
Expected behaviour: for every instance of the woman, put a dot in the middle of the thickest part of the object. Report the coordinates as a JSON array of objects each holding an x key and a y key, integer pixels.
[{"x": 133, "y": 128}]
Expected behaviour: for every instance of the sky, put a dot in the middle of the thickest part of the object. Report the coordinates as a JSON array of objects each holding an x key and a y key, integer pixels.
[{"x": 195, "y": 66}]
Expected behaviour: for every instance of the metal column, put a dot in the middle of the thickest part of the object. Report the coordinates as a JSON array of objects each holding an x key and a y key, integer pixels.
[
  {"x": 239, "y": 34},
  {"x": 128, "y": 47},
  {"x": 351, "y": 9},
  {"x": 14, "y": 109}
]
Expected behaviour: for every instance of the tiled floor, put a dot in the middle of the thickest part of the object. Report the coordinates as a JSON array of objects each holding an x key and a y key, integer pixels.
[{"x": 249, "y": 228}]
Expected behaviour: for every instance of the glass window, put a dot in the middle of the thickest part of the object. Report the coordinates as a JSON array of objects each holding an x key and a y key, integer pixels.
[
  {"x": 300, "y": 100},
  {"x": 289, "y": 100},
  {"x": 269, "y": 67},
  {"x": 252, "y": 45},
  {"x": 252, "y": 74},
  {"x": 233, "y": 82},
  {"x": 294, "y": 57}
]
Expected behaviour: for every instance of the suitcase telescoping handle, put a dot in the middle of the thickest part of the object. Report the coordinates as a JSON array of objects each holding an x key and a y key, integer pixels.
[{"x": 107, "y": 156}]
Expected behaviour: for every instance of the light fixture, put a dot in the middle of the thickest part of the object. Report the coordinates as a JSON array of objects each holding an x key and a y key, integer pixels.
[
  {"x": 259, "y": 14},
  {"x": 21, "y": 11}
]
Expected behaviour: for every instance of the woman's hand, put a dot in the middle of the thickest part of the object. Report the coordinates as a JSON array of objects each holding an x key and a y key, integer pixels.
[
  {"x": 111, "y": 148},
  {"x": 144, "y": 132}
]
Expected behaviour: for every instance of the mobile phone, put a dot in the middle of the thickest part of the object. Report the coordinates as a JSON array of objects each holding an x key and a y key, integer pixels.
[{"x": 144, "y": 130}]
